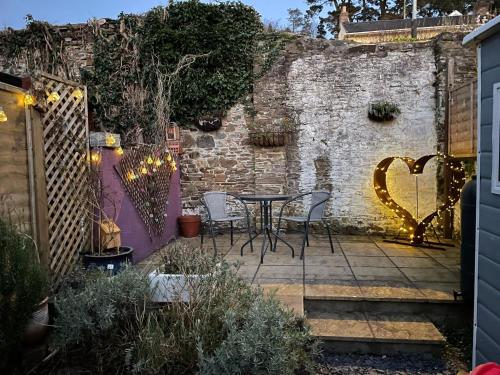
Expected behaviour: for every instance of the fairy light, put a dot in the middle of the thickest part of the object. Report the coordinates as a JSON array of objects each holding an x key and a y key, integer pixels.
[
  {"x": 410, "y": 226},
  {"x": 77, "y": 94},
  {"x": 119, "y": 151},
  {"x": 110, "y": 139},
  {"x": 95, "y": 157},
  {"x": 29, "y": 100},
  {"x": 3, "y": 115},
  {"x": 131, "y": 176},
  {"x": 53, "y": 97},
  {"x": 143, "y": 170},
  {"x": 149, "y": 160}
]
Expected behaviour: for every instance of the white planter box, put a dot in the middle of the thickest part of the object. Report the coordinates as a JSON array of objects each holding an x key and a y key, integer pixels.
[{"x": 169, "y": 288}]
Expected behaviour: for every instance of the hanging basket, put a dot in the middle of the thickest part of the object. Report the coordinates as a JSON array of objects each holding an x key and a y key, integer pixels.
[
  {"x": 270, "y": 139},
  {"x": 209, "y": 123}
]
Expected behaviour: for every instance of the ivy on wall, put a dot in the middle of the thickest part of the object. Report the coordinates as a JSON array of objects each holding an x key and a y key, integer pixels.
[
  {"x": 189, "y": 59},
  {"x": 126, "y": 63}
]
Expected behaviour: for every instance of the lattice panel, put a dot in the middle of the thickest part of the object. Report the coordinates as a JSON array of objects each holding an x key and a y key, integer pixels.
[
  {"x": 65, "y": 133},
  {"x": 145, "y": 171}
]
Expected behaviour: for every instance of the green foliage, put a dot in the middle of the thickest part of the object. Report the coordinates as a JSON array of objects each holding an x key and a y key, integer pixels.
[
  {"x": 23, "y": 284},
  {"x": 111, "y": 323},
  {"x": 223, "y": 35},
  {"x": 383, "y": 111},
  {"x": 266, "y": 340}
]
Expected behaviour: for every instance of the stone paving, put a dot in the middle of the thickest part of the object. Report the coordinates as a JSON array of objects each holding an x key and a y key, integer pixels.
[{"x": 362, "y": 268}]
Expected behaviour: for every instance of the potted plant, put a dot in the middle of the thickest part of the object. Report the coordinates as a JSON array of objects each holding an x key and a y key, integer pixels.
[
  {"x": 189, "y": 225},
  {"x": 209, "y": 123},
  {"x": 23, "y": 294},
  {"x": 179, "y": 269},
  {"x": 383, "y": 111},
  {"x": 272, "y": 135},
  {"x": 106, "y": 251}
]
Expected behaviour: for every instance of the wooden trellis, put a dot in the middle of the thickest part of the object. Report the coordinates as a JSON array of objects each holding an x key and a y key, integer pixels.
[{"x": 65, "y": 143}]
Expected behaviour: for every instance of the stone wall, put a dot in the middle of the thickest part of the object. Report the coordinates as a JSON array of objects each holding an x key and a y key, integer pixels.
[{"x": 324, "y": 88}]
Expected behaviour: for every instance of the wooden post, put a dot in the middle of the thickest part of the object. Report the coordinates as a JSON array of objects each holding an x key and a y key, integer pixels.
[{"x": 41, "y": 232}]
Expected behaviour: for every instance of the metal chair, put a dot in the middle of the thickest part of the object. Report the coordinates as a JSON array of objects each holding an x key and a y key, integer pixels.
[
  {"x": 215, "y": 203},
  {"x": 315, "y": 213}
]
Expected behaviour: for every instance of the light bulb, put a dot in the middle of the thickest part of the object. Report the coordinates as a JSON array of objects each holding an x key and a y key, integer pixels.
[
  {"x": 53, "y": 97},
  {"x": 119, "y": 151},
  {"x": 110, "y": 139},
  {"x": 3, "y": 116},
  {"x": 77, "y": 94},
  {"x": 29, "y": 99}
]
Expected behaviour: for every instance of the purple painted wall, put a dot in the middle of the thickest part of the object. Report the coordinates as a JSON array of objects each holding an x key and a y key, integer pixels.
[{"x": 133, "y": 230}]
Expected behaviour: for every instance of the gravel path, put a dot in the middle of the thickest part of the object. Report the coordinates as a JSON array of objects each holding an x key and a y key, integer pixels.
[{"x": 403, "y": 364}]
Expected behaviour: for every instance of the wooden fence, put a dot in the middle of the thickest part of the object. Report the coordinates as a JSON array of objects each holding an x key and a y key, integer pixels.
[
  {"x": 462, "y": 120},
  {"x": 65, "y": 144},
  {"x": 44, "y": 169}
]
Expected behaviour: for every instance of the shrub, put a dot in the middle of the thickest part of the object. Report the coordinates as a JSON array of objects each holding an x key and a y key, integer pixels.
[
  {"x": 23, "y": 284},
  {"x": 112, "y": 324},
  {"x": 383, "y": 111}
]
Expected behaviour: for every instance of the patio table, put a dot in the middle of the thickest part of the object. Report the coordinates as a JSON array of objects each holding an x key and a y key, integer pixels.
[{"x": 266, "y": 201}]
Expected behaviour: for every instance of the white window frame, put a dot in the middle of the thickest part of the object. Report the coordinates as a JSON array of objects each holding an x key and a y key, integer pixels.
[{"x": 495, "y": 140}]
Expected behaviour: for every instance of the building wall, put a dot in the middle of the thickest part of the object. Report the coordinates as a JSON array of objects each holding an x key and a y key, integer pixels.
[
  {"x": 488, "y": 267},
  {"x": 324, "y": 88}
]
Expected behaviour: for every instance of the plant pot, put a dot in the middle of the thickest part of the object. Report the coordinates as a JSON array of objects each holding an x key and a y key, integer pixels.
[
  {"x": 37, "y": 328},
  {"x": 189, "y": 225},
  {"x": 209, "y": 123},
  {"x": 114, "y": 262},
  {"x": 169, "y": 288},
  {"x": 269, "y": 139}
]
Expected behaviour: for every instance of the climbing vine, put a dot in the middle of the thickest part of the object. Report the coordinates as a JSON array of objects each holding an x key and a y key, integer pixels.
[{"x": 175, "y": 63}]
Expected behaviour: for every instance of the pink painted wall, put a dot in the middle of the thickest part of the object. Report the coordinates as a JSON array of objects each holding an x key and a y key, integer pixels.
[{"x": 133, "y": 230}]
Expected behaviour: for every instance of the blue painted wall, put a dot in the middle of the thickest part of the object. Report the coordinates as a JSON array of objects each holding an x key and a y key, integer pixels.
[{"x": 488, "y": 292}]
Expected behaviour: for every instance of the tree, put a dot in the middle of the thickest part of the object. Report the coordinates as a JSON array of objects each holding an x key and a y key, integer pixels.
[
  {"x": 298, "y": 22},
  {"x": 371, "y": 10},
  {"x": 295, "y": 19}
]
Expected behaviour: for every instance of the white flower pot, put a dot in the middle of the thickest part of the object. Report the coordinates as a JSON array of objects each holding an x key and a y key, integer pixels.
[{"x": 168, "y": 288}]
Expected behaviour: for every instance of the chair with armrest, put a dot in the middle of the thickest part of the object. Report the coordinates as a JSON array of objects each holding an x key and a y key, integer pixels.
[
  {"x": 216, "y": 205},
  {"x": 315, "y": 214}
]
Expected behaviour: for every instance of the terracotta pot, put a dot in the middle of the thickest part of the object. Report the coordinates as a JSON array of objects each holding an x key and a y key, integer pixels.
[
  {"x": 189, "y": 225},
  {"x": 37, "y": 327}
]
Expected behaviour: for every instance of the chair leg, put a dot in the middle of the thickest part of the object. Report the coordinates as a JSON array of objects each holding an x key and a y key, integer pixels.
[
  {"x": 278, "y": 227},
  {"x": 232, "y": 227},
  {"x": 306, "y": 234},
  {"x": 329, "y": 235},
  {"x": 211, "y": 227},
  {"x": 306, "y": 230},
  {"x": 201, "y": 232}
]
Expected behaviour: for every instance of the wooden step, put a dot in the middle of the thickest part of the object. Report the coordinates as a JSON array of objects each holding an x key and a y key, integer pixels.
[{"x": 376, "y": 332}]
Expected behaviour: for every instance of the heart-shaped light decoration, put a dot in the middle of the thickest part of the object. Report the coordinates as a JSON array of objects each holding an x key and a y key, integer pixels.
[{"x": 414, "y": 229}]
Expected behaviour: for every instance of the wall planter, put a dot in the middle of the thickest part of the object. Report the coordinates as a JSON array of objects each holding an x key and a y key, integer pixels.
[
  {"x": 113, "y": 261},
  {"x": 38, "y": 328},
  {"x": 189, "y": 225},
  {"x": 209, "y": 123},
  {"x": 171, "y": 287},
  {"x": 270, "y": 139},
  {"x": 383, "y": 111}
]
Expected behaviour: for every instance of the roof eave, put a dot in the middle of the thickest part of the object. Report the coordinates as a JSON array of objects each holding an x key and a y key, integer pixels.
[{"x": 483, "y": 32}]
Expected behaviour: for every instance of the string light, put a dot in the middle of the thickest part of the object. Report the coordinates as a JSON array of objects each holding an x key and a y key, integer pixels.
[
  {"x": 144, "y": 170},
  {"x": 410, "y": 225},
  {"x": 109, "y": 139},
  {"x": 131, "y": 176},
  {"x": 53, "y": 97},
  {"x": 3, "y": 115},
  {"x": 77, "y": 94},
  {"x": 119, "y": 151},
  {"x": 29, "y": 100},
  {"x": 95, "y": 157},
  {"x": 149, "y": 160}
]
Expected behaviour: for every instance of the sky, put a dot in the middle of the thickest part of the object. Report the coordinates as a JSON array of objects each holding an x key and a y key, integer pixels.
[{"x": 13, "y": 12}]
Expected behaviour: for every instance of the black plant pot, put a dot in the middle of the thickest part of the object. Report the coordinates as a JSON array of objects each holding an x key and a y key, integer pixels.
[
  {"x": 112, "y": 261},
  {"x": 209, "y": 124}
]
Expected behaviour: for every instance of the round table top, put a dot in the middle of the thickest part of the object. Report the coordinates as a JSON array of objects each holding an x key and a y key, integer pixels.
[{"x": 264, "y": 197}]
